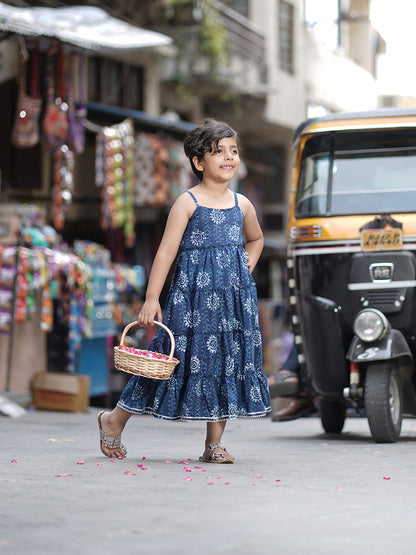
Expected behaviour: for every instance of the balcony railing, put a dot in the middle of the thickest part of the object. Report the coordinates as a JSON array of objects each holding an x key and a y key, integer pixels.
[{"x": 245, "y": 38}]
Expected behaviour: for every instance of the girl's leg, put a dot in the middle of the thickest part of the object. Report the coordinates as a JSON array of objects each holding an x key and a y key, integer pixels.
[
  {"x": 215, "y": 431},
  {"x": 112, "y": 423}
]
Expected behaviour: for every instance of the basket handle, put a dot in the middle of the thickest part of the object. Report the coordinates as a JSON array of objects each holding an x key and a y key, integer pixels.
[{"x": 172, "y": 339}]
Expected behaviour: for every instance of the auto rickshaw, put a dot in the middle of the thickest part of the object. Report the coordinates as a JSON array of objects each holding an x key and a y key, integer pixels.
[{"x": 352, "y": 265}]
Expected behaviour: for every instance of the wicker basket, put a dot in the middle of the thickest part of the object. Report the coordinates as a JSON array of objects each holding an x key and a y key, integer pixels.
[{"x": 145, "y": 364}]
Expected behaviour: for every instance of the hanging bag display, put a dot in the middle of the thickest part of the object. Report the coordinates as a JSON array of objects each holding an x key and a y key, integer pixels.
[
  {"x": 76, "y": 113},
  {"x": 55, "y": 123},
  {"x": 25, "y": 132}
]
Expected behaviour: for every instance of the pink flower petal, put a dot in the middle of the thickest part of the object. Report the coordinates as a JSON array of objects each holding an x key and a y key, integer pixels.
[
  {"x": 99, "y": 464},
  {"x": 13, "y": 461},
  {"x": 188, "y": 479},
  {"x": 259, "y": 476},
  {"x": 226, "y": 483},
  {"x": 278, "y": 480},
  {"x": 254, "y": 484},
  {"x": 211, "y": 483},
  {"x": 168, "y": 462},
  {"x": 62, "y": 475},
  {"x": 80, "y": 462},
  {"x": 129, "y": 473},
  {"x": 386, "y": 477}
]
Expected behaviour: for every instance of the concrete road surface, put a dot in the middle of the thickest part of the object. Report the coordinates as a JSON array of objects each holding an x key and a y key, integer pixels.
[{"x": 292, "y": 490}]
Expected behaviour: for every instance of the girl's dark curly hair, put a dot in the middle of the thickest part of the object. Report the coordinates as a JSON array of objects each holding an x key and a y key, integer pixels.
[{"x": 204, "y": 138}]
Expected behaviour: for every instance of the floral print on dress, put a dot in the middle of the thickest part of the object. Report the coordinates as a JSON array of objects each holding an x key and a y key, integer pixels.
[
  {"x": 198, "y": 238},
  {"x": 212, "y": 312},
  {"x": 217, "y": 216}
]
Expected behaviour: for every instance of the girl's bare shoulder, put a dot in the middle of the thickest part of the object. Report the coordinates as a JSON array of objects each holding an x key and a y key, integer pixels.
[
  {"x": 184, "y": 202},
  {"x": 244, "y": 204}
]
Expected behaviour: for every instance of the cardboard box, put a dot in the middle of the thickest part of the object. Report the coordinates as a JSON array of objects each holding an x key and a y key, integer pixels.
[{"x": 59, "y": 391}]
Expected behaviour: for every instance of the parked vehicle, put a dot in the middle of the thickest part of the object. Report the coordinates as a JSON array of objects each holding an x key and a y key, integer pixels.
[{"x": 352, "y": 258}]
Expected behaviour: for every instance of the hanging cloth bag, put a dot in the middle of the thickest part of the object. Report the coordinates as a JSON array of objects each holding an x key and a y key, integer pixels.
[
  {"x": 77, "y": 114},
  {"x": 25, "y": 132},
  {"x": 55, "y": 123}
]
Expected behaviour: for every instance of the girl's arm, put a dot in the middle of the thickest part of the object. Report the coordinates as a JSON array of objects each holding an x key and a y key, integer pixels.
[
  {"x": 252, "y": 232},
  {"x": 176, "y": 224}
]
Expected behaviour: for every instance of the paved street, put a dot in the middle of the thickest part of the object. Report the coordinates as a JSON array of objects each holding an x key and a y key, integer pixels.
[{"x": 293, "y": 489}]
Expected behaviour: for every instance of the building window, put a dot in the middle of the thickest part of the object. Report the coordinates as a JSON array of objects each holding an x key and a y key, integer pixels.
[
  {"x": 286, "y": 36},
  {"x": 115, "y": 83},
  {"x": 240, "y": 6}
]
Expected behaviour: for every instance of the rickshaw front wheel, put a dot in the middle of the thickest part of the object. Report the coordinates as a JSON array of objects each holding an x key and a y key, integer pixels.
[
  {"x": 383, "y": 401},
  {"x": 332, "y": 415}
]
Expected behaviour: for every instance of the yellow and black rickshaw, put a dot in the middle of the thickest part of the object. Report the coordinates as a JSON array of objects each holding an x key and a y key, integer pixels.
[{"x": 352, "y": 264}]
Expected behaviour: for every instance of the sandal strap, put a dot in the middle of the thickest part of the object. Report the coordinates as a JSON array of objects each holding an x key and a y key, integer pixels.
[
  {"x": 210, "y": 451},
  {"x": 282, "y": 375},
  {"x": 110, "y": 441}
]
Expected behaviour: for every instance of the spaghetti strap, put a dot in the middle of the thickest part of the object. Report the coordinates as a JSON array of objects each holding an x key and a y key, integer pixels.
[
  {"x": 236, "y": 198},
  {"x": 193, "y": 196}
]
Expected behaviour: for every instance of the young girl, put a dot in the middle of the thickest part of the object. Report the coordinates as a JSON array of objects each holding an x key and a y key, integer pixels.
[{"x": 211, "y": 307}]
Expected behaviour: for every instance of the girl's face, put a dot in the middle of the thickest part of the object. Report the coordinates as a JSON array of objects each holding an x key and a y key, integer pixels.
[{"x": 222, "y": 163}]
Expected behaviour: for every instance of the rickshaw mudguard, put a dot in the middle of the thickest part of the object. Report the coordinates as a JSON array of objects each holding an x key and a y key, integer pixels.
[
  {"x": 323, "y": 331},
  {"x": 393, "y": 345}
]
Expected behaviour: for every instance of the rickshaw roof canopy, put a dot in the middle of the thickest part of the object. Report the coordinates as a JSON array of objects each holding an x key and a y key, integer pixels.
[{"x": 370, "y": 119}]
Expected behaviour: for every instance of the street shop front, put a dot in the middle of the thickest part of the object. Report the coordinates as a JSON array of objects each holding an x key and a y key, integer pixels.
[{"x": 84, "y": 189}]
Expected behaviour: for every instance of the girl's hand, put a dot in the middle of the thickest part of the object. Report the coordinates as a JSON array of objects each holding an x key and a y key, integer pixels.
[
  {"x": 150, "y": 311},
  {"x": 248, "y": 260}
]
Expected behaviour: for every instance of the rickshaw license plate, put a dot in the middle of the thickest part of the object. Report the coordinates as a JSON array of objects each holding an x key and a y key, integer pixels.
[{"x": 381, "y": 239}]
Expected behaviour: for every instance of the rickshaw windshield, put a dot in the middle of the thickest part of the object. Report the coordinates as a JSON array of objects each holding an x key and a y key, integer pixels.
[{"x": 350, "y": 175}]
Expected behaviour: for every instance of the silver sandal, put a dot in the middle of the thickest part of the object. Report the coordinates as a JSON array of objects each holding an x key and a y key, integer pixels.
[
  {"x": 212, "y": 456},
  {"x": 109, "y": 441}
]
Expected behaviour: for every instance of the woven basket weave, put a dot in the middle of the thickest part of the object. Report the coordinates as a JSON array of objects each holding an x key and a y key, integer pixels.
[{"x": 144, "y": 364}]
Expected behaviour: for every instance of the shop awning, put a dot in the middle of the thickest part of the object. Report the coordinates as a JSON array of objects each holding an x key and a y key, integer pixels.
[
  {"x": 84, "y": 26},
  {"x": 148, "y": 121}
]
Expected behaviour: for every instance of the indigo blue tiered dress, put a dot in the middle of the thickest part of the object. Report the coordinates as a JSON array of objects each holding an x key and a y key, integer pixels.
[{"x": 212, "y": 312}]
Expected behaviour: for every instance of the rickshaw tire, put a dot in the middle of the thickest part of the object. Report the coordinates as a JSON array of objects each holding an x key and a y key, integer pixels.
[
  {"x": 332, "y": 415},
  {"x": 378, "y": 380}
]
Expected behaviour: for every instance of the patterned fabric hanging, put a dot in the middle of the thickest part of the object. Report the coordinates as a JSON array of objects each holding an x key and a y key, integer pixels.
[
  {"x": 162, "y": 171},
  {"x": 114, "y": 173},
  {"x": 63, "y": 184}
]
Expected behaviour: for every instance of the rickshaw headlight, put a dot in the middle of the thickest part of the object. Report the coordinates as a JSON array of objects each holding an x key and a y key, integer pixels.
[{"x": 370, "y": 325}]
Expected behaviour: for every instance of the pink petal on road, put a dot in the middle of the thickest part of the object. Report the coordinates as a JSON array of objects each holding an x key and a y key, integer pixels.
[
  {"x": 63, "y": 475},
  {"x": 168, "y": 462},
  {"x": 14, "y": 461},
  {"x": 212, "y": 483},
  {"x": 386, "y": 478},
  {"x": 188, "y": 479},
  {"x": 129, "y": 473},
  {"x": 80, "y": 462}
]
